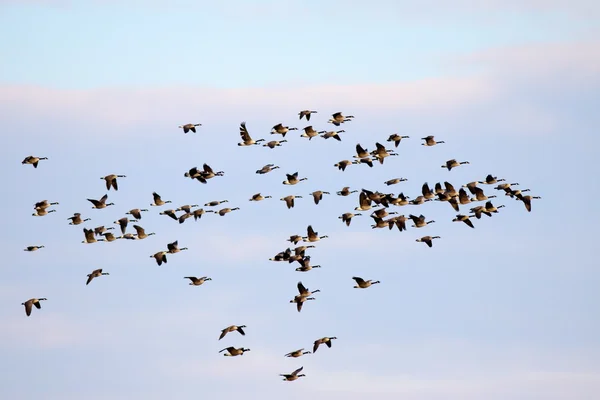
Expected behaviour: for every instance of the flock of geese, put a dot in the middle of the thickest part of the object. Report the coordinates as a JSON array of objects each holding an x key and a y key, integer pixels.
[{"x": 379, "y": 205}]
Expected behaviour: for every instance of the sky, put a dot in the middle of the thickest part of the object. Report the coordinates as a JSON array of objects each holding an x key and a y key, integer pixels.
[{"x": 505, "y": 311}]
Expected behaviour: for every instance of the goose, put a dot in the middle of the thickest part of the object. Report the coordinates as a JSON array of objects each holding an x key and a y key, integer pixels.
[
  {"x": 299, "y": 300},
  {"x": 379, "y": 223},
  {"x": 189, "y": 127},
  {"x": 224, "y": 211},
  {"x": 453, "y": 164},
  {"x": 490, "y": 180},
  {"x": 282, "y": 130},
  {"x": 75, "y": 219},
  {"x": 197, "y": 281},
  {"x": 174, "y": 247},
  {"x": 208, "y": 173},
  {"x": 136, "y": 213},
  {"x": 419, "y": 221},
  {"x": 477, "y": 211},
  {"x": 141, "y": 233},
  {"x": 429, "y": 141},
  {"x": 527, "y": 201},
  {"x": 324, "y": 340},
  {"x": 366, "y": 161},
  {"x": 382, "y": 213},
  {"x": 312, "y": 236},
  {"x": 300, "y": 250},
  {"x": 40, "y": 212},
  {"x": 306, "y": 114},
  {"x": 33, "y": 160},
  {"x": 426, "y": 191},
  {"x": 282, "y": 255},
  {"x": 301, "y": 258},
  {"x": 274, "y": 143},
  {"x": 395, "y": 181},
  {"x": 289, "y": 200},
  {"x": 361, "y": 152},
  {"x": 292, "y": 179},
  {"x": 95, "y": 274},
  {"x": 89, "y": 236},
  {"x": 99, "y": 204},
  {"x": 294, "y": 239},
  {"x": 318, "y": 195},
  {"x": 347, "y": 217},
  {"x": 465, "y": 219},
  {"x": 450, "y": 191},
  {"x": 32, "y": 302},
  {"x": 215, "y": 203},
  {"x": 471, "y": 186},
  {"x": 233, "y": 328},
  {"x": 44, "y": 204},
  {"x": 504, "y": 186},
  {"x": 293, "y": 376},
  {"x": 297, "y": 353},
  {"x": 99, "y": 230},
  {"x": 199, "y": 213},
  {"x": 399, "y": 221},
  {"x": 109, "y": 237},
  {"x": 170, "y": 213},
  {"x": 428, "y": 240},
  {"x": 123, "y": 223},
  {"x": 346, "y": 191},
  {"x": 454, "y": 203},
  {"x": 337, "y": 118},
  {"x": 183, "y": 217},
  {"x": 266, "y": 169},
  {"x": 307, "y": 267},
  {"x": 160, "y": 257},
  {"x": 129, "y": 236},
  {"x": 332, "y": 134},
  {"x": 111, "y": 181},
  {"x": 362, "y": 284},
  {"x": 158, "y": 201},
  {"x": 489, "y": 207},
  {"x": 232, "y": 351},
  {"x": 480, "y": 196},
  {"x": 33, "y": 248},
  {"x": 193, "y": 173},
  {"x": 259, "y": 197},
  {"x": 515, "y": 193},
  {"x": 309, "y": 132},
  {"x": 246, "y": 139},
  {"x": 463, "y": 197},
  {"x": 396, "y": 139},
  {"x": 186, "y": 208},
  {"x": 364, "y": 202},
  {"x": 418, "y": 200},
  {"x": 304, "y": 292},
  {"x": 381, "y": 152},
  {"x": 341, "y": 165},
  {"x": 400, "y": 201}
]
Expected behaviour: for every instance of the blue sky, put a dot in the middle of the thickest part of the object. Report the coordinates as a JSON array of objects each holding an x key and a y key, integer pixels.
[{"x": 507, "y": 310}]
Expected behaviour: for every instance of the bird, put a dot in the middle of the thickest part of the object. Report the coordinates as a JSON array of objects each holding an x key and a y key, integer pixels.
[
  {"x": 362, "y": 284},
  {"x": 318, "y": 195},
  {"x": 289, "y": 200},
  {"x": 419, "y": 221},
  {"x": 99, "y": 204},
  {"x": 429, "y": 141},
  {"x": 198, "y": 213},
  {"x": 246, "y": 139},
  {"x": 160, "y": 257},
  {"x": 294, "y": 239},
  {"x": 109, "y": 237},
  {"x": 479, "y": 195},
  {"x": 136, "y": 213},
  {"x": 215, "y": 203},
  {"x": 33, "y": 160},
  {"x": 40, "y": 212},
  {"x": 337, "y": 118},
  {"x": 95, "y": 274},
  {"x": 527, "y": 201},
  {"x": 306, "y": 114},
  {"x": 297, "y": 353},
  {"x": 232, "y": 351},
  {"x": 141, "y": 233},
  {"x": 341, "y": 165},
  {"x": 282, "y": 255},
  {"x": 489, "y": 207},
  {"x": 33, "y": 248},
  {"x": 122, "y": 222},
  {"x": 32, "y": 302},
  {"x": 312, "y": 236},
  {"x": 477, "y": 211},
  {"x": 299, "y": 300},
  {"x": 361, "y": 152},
  {"x": 396, "y": 139},
  {"x": 111, "y": 181},
  {"x": 293, "y": 376},
  {"x": 332, "y": 134},
  {"x": 381, "y": 152},
  {"x": 428, "y": 240},
  {"x": 465, "y": 219},
  {"x": 197, "y": 281},
  {"x": 453, "y": 164},
  {"x": 232, "y": 328},
  {"x": 325, "y": 340},
  {"x": 346, "y": 191},
  {"x": 505, "y": 186},
  {"x": 274, "y": 143},
  {"x": 266, "y": 169},
  {"x": 44, "y": 204},
  {"x": 158, "y": 201},
  {"x": 309, "y": 132},
  {"x": 347, "y": 217},
  {"x": 395, "y": 181},
  {"x": 282, "y": 130},
  {"x": 186, "y": 208},
  {"x": 490, "y": 180},
  {"x": 259, "y": 197},
  {"x": 189, "y": 127},
  {"x": 170, "y": 213},
  {"x": 75, "y": 219},
  {"x": 89, "y": 236},
  {"x": 306, "y": 267},
  {"x": 224, "y": 211},
  {"x": 304, "y": 292},
  {"x": 173, "y": 248},
  {"x": 99, "y": 230},
  {"x": 292, "y": 179}
]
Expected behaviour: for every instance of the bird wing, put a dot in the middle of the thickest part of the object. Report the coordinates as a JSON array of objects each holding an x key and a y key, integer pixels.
[
  {"x": 244, "y": 132},
  {"x": 301, "y": 288},
  {"x": 28, "y": 304},
  {"x": 358, "y": 280}
]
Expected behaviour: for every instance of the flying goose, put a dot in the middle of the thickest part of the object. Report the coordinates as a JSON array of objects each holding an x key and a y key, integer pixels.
[
  {"x": 471, "y": 186},
  {"x": 465, "y": 219},
  {"x": 463, "y": 197},
  {"x": 332, "y": 134},
  {"x": 346, "y": 191},
  {"x": 347, "y": 217},
  {"x": 160, "y": 257},
  {"x": 224, "y": 211},
  {"x": 215, "y": 203},
  {"x": 75, "y": 219},
  {"x": 266, "y": 169},
  {"x": 304, "y": 292},
  {"x": 208, "y": 173},
  {"x": 396, "y": 138},
  {"x": 123, "y": 223},
  {"x": 490, "y": 180},
  {"x": 300, "y": 250},
  {"x": 232, "y": 351},
  {"x": 400, "y": 201},
  {"x": 361, "y": 152},
  {"x": 136, "y": 213},
  {"x": 299, "y": 300},
  {"x": 381, "y": 152},
  {"x": 294, "y": 239},
  {"x": 109, "y": 237},
  {"x": 274, "y": 143},
  {"x": 309, "y": 132},
  {"x": 99, "y": 230},
  {"x": 453, "y": 164},
  {"x": 259, "y": 197},
  {"x": 141, "y": 233},
  {"x": 233, "y": 328},
  {"x": 418, "y": 200},
  {"x": 33, "y": 160},
  {"x": 312, "y": 236},
  {"x": 33, "y": 248},
  {"x": 246, "y": 139},
  {"x": 325, "y": 340},
  {"x": 419, "y": 221},
  {"x": 477, "y": 211},
  {"x": 289, "y": 200},
  {"x": 40, "y": 212},
  {"x": 399, "y": 222},
  {"x": 429, "y": 141},
  {"x": 174, "y": 247},
  {"x": 170, "y": 213},
  {"x": 282, "y": 130},
  {"x": 282, "y": 255},
  {"x": 99, "y": 204},
  {"x": 32, "y": 302},
  {"x": 337, "y": 118},
  {"x": 44, "y": 204},
  {"x": 382, "y": 213},
  {"x": 297, "y": 353},
  {"x": 293, "y": 376},
  {"x": 395, "y": 181},
  {"x": 111, "y": 181},
  {"x": 364, "y": 202},
  {"x": 197, "y": 281},
  {"x": 89, "y": 236},
  {"x": 504, "y": 186},
  {"x": 362, "y": 284},
  {"x": 450, "y": 191},
  {"x": 426, "y": 191},
  {"x": 515, "y": 193},
  {"x": 428, "y": 240},
  {"x": 318, "y": 195},
  {"x": 305, "y": 266},
  {"x": 379, "y": 223},
  {"x": 366, "y": 161},
  {"x": 489, "y": 207},
  {"x": 292, "y": 179},
  {"x": 95, "y": 274},
  {"x": 479, "y": 195},
  {"x": 129, "y": 236},
  {"x": 158, "y": 201},
  {"x": 183, "y": 217},
  {"x": 194, "y": 173},
  {"x": 341, "y": 165},
  {"x": 198, "y": 213},
  {"x": 527, "y": 201},
  {"x": 306, "y": 113},
  {"x": 189, "y": 127},
  {"x": 186, "y": 208}
]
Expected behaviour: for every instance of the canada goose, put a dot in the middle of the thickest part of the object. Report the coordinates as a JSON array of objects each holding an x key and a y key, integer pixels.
[
  {"x": 396, "y": 138},
  {"x": 341, "y": 165},
  {"x": 174, "y": 247},
  {"x": 129, "y": 236},
  {"x": 490, "y": 180},
  {"x": 232, "y": 351},
  {"x": 489, "y": 207},
  {"x": 347, "y": 217},
  {"x": 382, "y": 213},
  {"x": 246, "y": 139},
  {"x": 259, "y": 197},
  {"x": 40, "y": 212},
  {"x": 399, "y": 221},
  {"x": 379, "y": 223},
  {"x": 299, "y": 300},
  {"x": 381, "y": 152},
  {"x": 418, "y": 200},
  {"x": 366, "y": 161},
  {"x": 233, "y": 328},
  {"x": 527, "y": 201},
  {"x": 266, "y": 169},
  {"x": 33, "y": 248},
  {"x": 293, "y": 376},
  {"x": 183, "y": 217},
  {"x": 337, "y": 118},
  {"x": 289, "y": 200},
  {"x": 306, "y": 113},
  {"x": 136, "y": 213},
  {"x": 198, "y": 213},
  {"x": 480, "y": 196},
  {"x": 170, "y": 213},
  {"x": 450, "y": 191},
  {"x": 282, "y": 130},
  {"x": 477, "y": 211},
  {"x": 318, "y": 195},
  {"x": 109, "y": 237},
  {"x": 294, "y": 239},
  {"x": 515, "y": 193},
  {"x": 471, "y": 186},
  {"x": 361, "y": 152},
  {"x": 215, "y": 203},
  {"x": 362, "y": 284},
  {"x": 309, "y": 132},
  {"x": 282, "y": 255},
  {"x": 141, "y": 233},
  {"x": 504, "y": 186},
  {"x": 208, "y": 173},
  {"x": 429, "y": 141},
  {"x": 158, "y": 201},
  {"x": 197, "y": 281},
  {"x": 297, "y": 353},
  {"x": 304, "y": 292},
  {"x": 33, "y": 160},
  {"x": 44, "y": 204},
  {"x": 400, "y": 201},
  {"x": 428, "y": 240},
  {"x": 346, "y": 191},
  {"x": 99, "y": 204},
  {"x": 419, "y": 221},
  {"x": 89, "y": 236},
  {"x": 325, "y": 340},
  {"x": 32, "y": 302},
  {"x": 194, "y": 173},
  {"x": 160, "y": 257},
  {"x": 75, "y": 219},
  {"x": 99, "y": 230},
  {"x": 463, "y": 197},
  {"x": 189, "y": 127},
  {"x": 453, "y": 164},
  {"x": 307, "y": 267},
  {"x": 111, "y": 180},
  {"x": 426, "y": 191},
  {"x": 123, "y": 223},
  {"x": 332, "y": 134},
  {"x": 224, "y": 211},
  {"x": 186, "y": 208},
  {"x": 95, "y": 274},
  {"x": 364, "y": 202},
  {"x": 454, "y": 203},
  {"x": 274, "y": 143},
  {"x": 292, "y": 179},
  {"x": 395, "y": 181},
  {"x": 312, "y": 236},
  {"x": 465, "y": 219},
  {"x": 300, "y": 250}
]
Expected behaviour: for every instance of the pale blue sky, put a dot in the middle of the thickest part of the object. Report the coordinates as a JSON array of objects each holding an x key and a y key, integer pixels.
[{"x": 507, "y": 310}]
